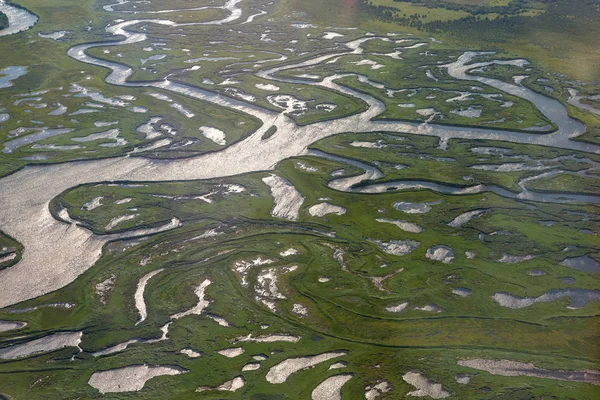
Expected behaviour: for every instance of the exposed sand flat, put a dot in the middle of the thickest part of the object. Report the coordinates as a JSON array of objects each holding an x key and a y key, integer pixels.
[
  {"x": 397, "y": 247},
  {"x": 511, "y": 259},
  {"x": 242, "y": 267},
  {"x": 219, "y": 320},
  {"x": 287, "y": 200},
  {"x": 462, "y": 292},
  {"x": 202, "y": 304},
  {"x": 45, "y": 344},
  {"x": 229, "y": 386},
  {"x": 190, "y": 353},
  {"x": 371, "y": 393},
  {"x": 116, "y": 348},
  {"x": 281, "y": 372},
  {"x": 266, "y": 287},
  {"x": 404, "y": 225},
  {"x": 268, "y": 87},
  {"x": 140, "y": 303},
  {"x": 6, "y": 326},
  {"x": 331, "y": 35},
  {"x": 231, "y": 352},
  {"x": 516, "y": 368},
  {"x": 299, "y": 310},
  {"x": 251, "y": 367},
  {"x": 129, "y": 379},
  {"x": 415, "y": 208},
  {"x": 368, "y": 145},
  {"x": 214, "y": 134},
  {"x": 331, "y": 388},
  {"x": 117, "y": 220},
  {"x": 93, "y": 204},
  {"x": 425, "y": 388},
  {"x": 104, "y": 288},
  {"x": 430, "y": 308},
  {"x": 337, "y": 365},
  {"x": 8, "y": 258},
  {"x": 466, "y": 217},
  {"x": 322, "y": 209},
  {"x": 398, "y": 308},
  {"x": 440, "y": 253},
  {"x": 267, "y": 338},
  {"x": 289, "y": 252}
]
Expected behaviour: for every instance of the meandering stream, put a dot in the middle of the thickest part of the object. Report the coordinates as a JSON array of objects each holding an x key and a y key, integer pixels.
[{"x": 56, "y": 253}]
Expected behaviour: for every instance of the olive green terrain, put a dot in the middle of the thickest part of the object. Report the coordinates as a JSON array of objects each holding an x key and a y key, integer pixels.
[{"x": 346, "y": 311}]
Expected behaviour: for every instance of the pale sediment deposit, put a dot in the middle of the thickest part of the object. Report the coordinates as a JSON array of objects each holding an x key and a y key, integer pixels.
[
  {"x": 242, "y": 267},
  {"x": 425, "y": 387},
  {"x": 214, "y": 134},
  {"x": 219, "y": 320},
  {"x": 140, "y": 303},
  {"x": 516, "y": 368},
  {"x": 190, "y": 353},
  {"x": 6, "y": 326},
  {"x": 281, "y": 372},
  {"x": 430, "y": 308},
  {"x": 200, "y": 306},
  {"x": 229, "y": 386},
  {"x": 371, "y": 393},
  {"x": 287, "y": 200},
  {"x": 466, "y": 217},
  {"x": 129, "y": 379},
  {"x": 251, "y": 367},
  {"x": 331, "y": 388},
  {"x": 289, "y": 252},
  {"x": 462, "y": 292},
  {"x": 45, "y": 344},
  {"x": 282, "y": 337},
  {"x": 398, "y": 308},
  {"x": 440, "y": 253},
  {"x": 511, "y": 259},
  {"x": 299, "y": 310},
  {"x": 266, "y": 287},
  {"x": 415, "y": 208},
  {"x": 104, "y": 288},
  {"x": 322, "y": 209},
  {"x": 337, "y": 365},
  {"x": 404, "y": 225},
  {"x": 231, "y": 352},
  {"x": 397, "y": 247}
]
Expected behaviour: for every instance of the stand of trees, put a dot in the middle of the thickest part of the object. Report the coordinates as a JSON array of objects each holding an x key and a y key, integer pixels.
[
  {"x": 3, "y": 21},
  {"x": 568, "y": 16}
]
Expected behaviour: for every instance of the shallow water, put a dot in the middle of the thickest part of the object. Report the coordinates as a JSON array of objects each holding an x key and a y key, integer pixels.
[
  {"x": 9, "y": 74},
  {"x": 18, "y": 19},
  {"x": 583, "y": 263}
]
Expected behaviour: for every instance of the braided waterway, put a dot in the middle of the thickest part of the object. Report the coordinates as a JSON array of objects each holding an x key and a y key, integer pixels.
[{"x": 57, "y": 252}]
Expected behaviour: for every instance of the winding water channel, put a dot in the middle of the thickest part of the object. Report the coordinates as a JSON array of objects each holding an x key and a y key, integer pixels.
[{"x": 56, "y": 252}]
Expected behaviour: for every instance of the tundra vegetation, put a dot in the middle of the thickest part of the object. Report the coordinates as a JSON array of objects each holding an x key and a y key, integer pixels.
[{"x": 435, "y": 235}]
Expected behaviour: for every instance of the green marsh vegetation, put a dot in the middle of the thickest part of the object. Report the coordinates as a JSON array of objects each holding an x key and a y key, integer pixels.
[{"x": 343, "y": 278}]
